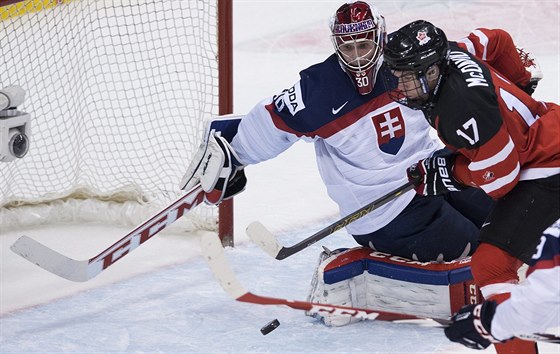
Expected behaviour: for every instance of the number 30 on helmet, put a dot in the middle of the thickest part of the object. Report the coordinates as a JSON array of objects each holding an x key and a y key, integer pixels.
[{"x": 358, "y": 35}]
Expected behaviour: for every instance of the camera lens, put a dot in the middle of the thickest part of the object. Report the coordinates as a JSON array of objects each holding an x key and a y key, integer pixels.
[{"x": 19, "y": 145}]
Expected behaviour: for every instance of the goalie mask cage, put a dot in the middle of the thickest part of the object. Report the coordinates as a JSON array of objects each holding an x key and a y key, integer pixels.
[{"x": 118, "y": 91}]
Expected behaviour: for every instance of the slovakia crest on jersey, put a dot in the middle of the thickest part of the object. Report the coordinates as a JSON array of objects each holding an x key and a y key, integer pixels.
[{"x": 390, "y": 130}]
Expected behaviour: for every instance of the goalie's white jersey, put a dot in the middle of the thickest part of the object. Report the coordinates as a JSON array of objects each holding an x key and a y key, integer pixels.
[{"x": 363, "y": 143}]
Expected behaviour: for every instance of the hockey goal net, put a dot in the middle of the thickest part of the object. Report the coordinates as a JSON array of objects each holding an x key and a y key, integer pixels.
[{"x": 118, "y": 91}]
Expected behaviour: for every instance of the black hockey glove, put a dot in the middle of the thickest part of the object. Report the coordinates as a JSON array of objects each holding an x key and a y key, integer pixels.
[
  {"x": 530, "y": 87},
  {"x": 471, "y": 326},
  {"x": 434, "y": 175},
  {"x": 236, "y": 184}
]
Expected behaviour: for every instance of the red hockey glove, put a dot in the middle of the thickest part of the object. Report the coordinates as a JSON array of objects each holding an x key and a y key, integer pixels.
[
  {"x": 471, "y": 326},
  {"x": 434, "y": 175}
]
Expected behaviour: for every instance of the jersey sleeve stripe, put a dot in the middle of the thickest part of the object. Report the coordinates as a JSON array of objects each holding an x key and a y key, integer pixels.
[
  {"x": 483, "y": 41},
  {"x": 495, "y": 289},
  {"x": 500, "y": 182},
  {"x": 493, "y": 160},
  {"x": 536, "y": 173},
  {"x": 469, "y": 46},
  {"x": 545, "y": 264}
]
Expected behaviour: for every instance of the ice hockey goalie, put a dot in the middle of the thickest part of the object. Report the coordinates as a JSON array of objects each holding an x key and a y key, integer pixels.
[{"x": 365, "y": 278}]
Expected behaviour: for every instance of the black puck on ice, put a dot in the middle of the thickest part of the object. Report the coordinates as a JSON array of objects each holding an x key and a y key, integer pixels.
[{"x": 271, "y": 326}]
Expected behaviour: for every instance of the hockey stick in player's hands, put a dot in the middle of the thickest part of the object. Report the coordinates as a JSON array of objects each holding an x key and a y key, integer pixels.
[{"x": 260, "y": 235}]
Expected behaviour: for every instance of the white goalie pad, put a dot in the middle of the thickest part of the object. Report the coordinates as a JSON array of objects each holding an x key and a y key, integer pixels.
[{"x": 364, "y": 278}]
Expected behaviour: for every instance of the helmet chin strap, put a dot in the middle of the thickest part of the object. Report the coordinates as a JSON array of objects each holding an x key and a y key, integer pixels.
[
  {"x": 424, "y": 84},
  {"x": 419, "y": 102}
]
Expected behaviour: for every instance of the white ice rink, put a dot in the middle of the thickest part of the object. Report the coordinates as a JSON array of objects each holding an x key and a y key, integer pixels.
[{"x": 162, "y": 297}]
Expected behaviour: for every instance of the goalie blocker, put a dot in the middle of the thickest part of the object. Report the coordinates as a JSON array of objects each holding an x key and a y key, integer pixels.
[{"x": 365, "y": 278}]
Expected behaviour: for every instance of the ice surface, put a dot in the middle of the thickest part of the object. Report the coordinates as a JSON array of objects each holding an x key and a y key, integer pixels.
[{"x": 162, "y": 297}]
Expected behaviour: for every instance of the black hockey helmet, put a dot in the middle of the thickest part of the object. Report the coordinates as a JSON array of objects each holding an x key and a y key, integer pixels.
[{"x": 415, "y": 48}]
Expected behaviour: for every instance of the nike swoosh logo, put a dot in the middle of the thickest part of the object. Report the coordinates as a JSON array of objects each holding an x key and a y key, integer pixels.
[
  {"x": 485, "y": 224},
  {"x": 335, "y": 111}
]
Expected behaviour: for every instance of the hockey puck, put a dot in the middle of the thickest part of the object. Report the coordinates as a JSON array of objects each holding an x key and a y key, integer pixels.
[{"x": 271, "y": 326}]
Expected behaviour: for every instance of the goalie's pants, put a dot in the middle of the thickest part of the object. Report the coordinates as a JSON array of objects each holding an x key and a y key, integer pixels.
[{"x": 430, "y": 226}]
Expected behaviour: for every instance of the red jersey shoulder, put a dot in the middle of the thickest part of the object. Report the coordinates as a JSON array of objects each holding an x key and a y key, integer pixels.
[{"x": 492, "y": 46}]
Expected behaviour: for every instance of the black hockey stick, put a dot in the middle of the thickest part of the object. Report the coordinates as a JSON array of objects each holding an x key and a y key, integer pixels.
[{"x": 260, "y": 235}]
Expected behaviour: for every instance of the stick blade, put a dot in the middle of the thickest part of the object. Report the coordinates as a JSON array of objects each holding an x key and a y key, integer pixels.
[
  {"x": 260, "y": 235},
  {"x": 50, "y": 260},
  {"x": 213, "y": 252}
]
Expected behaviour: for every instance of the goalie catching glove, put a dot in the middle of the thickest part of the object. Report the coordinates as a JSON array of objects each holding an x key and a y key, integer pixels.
[
  {"x": 434, "y": 175},
  {"x": 217, "y": 168}
]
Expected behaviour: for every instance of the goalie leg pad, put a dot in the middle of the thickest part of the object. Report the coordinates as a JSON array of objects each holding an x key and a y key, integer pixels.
[
  {"x": 342, "y": 293},
  {"x": 364, "y": 278}
]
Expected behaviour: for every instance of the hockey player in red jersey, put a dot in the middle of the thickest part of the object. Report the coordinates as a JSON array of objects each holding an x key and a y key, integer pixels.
[
  {"x": 532, "y": 308},
  {"x": 504, "y": 142}
]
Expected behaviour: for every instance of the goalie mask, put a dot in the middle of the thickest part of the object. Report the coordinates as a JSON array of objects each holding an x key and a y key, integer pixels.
[
  {"x": 358, "y": 36},
  {"x": 418, "y": 56}
]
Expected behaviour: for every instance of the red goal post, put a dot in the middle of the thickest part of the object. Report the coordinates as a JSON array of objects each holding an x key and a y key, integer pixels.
[{"x": 118, "y": 91}]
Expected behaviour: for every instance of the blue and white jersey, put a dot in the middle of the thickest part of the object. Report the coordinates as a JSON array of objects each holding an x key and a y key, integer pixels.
[{"x": 363, "y": 143}]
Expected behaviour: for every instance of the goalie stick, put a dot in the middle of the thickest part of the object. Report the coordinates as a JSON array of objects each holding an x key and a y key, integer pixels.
[
  {"x": 214, "y": 254},
  {"x": 260, "y": 235},
  {"x": 83, "y": 270}
]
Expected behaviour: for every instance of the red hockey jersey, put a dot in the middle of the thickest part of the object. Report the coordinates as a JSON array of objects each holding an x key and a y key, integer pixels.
[{"x": 501, "y": 133}]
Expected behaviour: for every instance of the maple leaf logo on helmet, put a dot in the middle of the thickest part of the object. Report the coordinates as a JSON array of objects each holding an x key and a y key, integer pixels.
[{"x": 422, "y": 37}]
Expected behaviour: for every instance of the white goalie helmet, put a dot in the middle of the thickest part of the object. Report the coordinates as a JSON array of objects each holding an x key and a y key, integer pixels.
[{"x": 358, "y": 35}]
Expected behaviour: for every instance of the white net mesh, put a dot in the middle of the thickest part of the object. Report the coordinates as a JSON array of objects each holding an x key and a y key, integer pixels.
[{"x": 118, "y": 91}]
